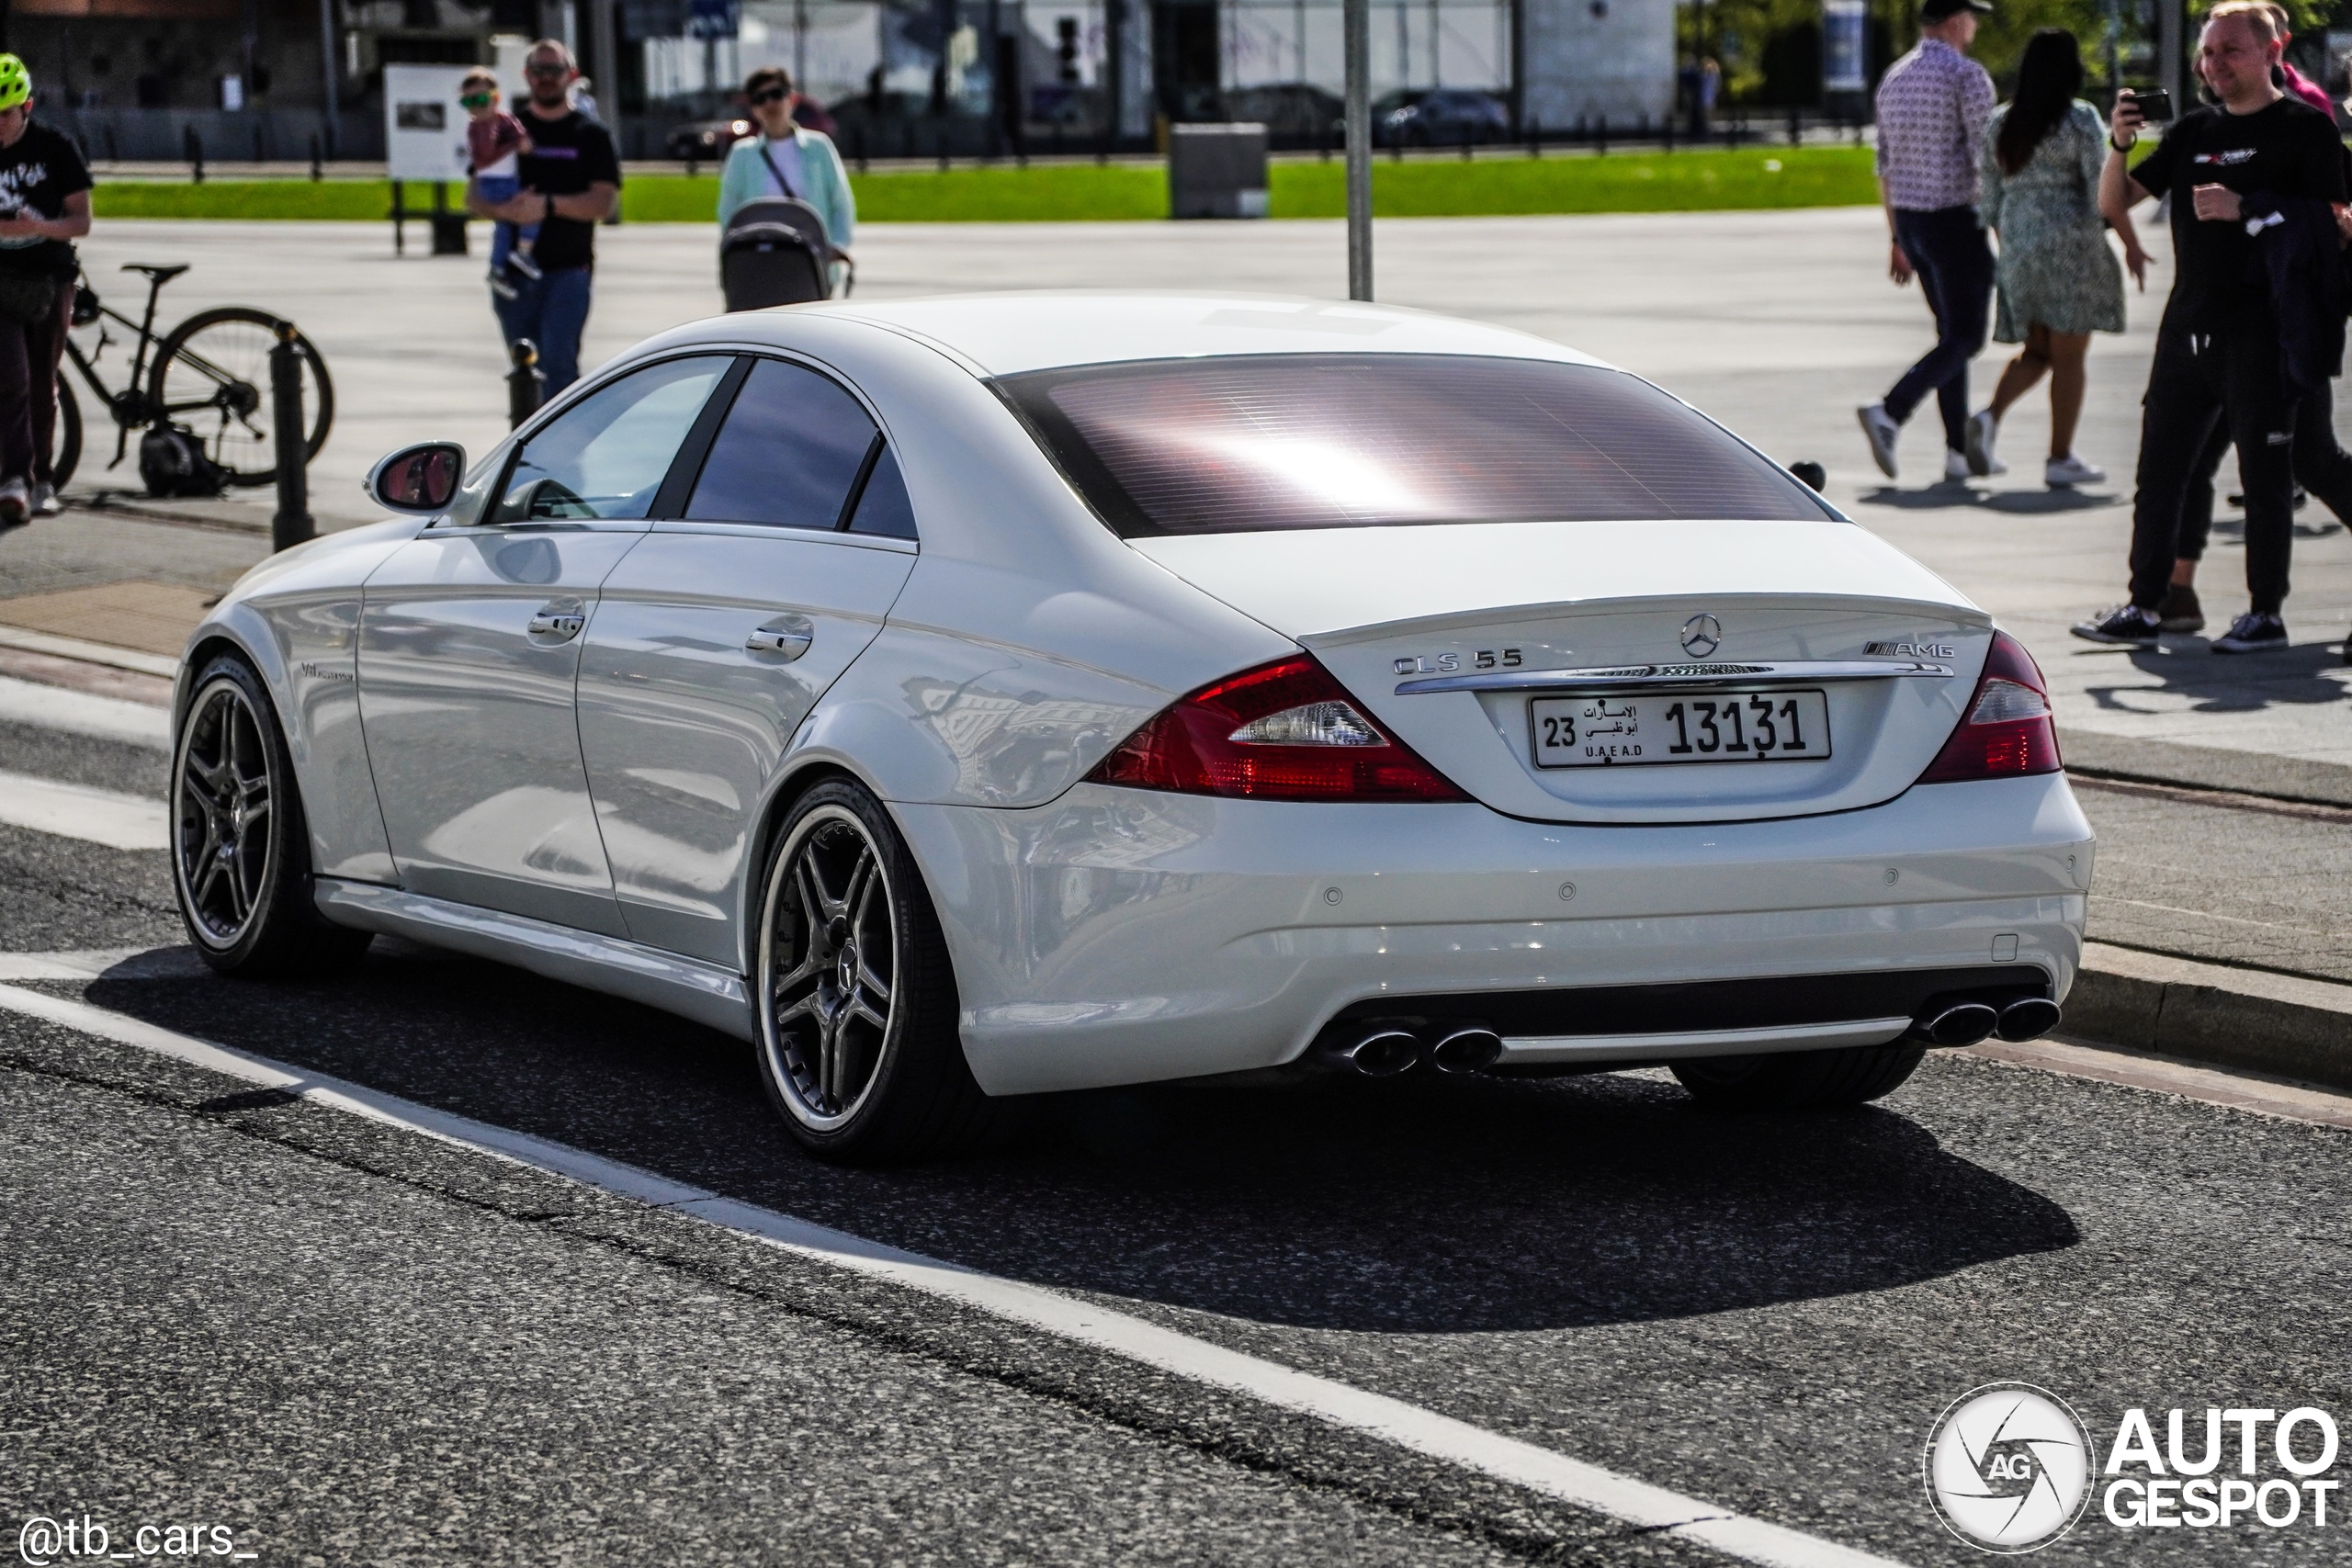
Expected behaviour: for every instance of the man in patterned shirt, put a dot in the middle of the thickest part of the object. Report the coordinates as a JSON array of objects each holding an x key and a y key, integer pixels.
[{"x": 1932, "y": 108}]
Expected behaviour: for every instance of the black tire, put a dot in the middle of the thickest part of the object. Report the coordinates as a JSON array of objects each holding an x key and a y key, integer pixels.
[
  {"x": 241, "y": 851},
  {"x": 872, "y": 1071},
  {"x": 212, "y": 374},
  {"x": 1793, "y": 1080},
  {"x": 65, "y": 444}
]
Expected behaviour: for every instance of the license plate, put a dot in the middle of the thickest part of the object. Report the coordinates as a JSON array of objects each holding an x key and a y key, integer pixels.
[{"x": 1681, "y": 726}]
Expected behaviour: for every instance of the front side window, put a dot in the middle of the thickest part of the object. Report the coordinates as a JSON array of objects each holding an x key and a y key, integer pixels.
[
  {"x": 607, "y": 455},
  {"x": 1359, "y": 440},
  {"x": 791, "y": 450}
]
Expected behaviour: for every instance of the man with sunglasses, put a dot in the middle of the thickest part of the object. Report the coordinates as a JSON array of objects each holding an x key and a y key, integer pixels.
[{"x": 570, "y": 178}]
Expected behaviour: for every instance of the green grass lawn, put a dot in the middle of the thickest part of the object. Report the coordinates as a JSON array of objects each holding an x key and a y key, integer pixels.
[{"x": 1641, "y": 182}]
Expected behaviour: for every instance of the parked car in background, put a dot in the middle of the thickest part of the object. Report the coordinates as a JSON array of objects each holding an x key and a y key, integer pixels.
[
  {"x": 706, "y": 141},
  {"x": 1290, "y": 109},
  {"x": 1444, "y": 116}
]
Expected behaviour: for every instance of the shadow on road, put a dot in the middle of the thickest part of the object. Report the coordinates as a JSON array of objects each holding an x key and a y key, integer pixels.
[
  {"x": 2304, "y": 675},
  {"x": 1963, "y": 492},
  {"x": 1421, "y": 1205}
]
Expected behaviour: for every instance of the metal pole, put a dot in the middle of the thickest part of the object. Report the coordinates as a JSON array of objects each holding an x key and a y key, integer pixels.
[
  {"x": 2172, "y": 50},
  {"x": 292, "y": 524},
  {"x": 605, "y": 44},
  {"x": 331, "y": 80},
  {"x": 525, "y": 384},
  {"x": 1357, "y": 15}
]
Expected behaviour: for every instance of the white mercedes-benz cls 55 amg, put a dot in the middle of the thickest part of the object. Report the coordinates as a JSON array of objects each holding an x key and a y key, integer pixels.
[{"x": 971, "y": 698}]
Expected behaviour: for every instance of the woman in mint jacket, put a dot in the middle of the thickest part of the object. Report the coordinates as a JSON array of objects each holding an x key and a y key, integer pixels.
[{"x": 785, "y": 160}]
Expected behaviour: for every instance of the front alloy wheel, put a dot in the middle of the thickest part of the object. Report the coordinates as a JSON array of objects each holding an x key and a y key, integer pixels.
[
  {"x": 858, "y": 1039},
  {"x": 241, "y": 852},
  {"x": 222, "y": 836}
]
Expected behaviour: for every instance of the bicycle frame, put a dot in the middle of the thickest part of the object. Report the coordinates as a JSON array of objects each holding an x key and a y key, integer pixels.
[{"x": 131, "y": 408}]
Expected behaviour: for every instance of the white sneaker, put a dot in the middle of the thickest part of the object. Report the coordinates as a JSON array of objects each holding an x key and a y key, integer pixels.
[
  {"x": 45, "y": 502},
  {"x": 1956, "y": 465},
  {"x": 16, "y": 504},
  {"x": 1983, "y": 428},
  {"x": 1880, "y": 426},
  {"x": 2064, "y": 473}
]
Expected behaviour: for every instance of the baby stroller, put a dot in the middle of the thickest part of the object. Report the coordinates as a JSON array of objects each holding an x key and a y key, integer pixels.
[{"x": 774, "y": 252}]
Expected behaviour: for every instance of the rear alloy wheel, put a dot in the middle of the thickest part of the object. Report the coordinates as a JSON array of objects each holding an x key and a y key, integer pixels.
[
  {"x": 241, "y": 852},
  {"x": 858, "y": 1044},
  {"x": 1794, "y": 1080}
]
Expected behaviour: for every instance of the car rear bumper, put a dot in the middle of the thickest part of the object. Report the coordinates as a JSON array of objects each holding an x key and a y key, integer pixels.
[{"x": 1125, "y": 936}]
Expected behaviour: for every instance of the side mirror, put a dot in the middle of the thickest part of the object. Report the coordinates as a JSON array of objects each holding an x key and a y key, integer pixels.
[{"x": 422, "y": 479}]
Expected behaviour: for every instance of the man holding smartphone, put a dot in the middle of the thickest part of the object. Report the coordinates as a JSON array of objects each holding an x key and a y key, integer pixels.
[{"x": 2217, "y": 355}]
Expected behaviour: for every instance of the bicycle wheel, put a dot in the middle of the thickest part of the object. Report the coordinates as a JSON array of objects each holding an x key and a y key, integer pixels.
[
  {"x": 213, "y": 376},
  {"x": 65, "y": 441}
]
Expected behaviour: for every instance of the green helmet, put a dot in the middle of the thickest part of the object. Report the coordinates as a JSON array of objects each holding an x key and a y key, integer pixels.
[{"x": 15, "y": 82}]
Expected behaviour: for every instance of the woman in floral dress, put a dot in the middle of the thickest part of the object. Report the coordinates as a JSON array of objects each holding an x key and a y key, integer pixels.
[{"x": 2058, "y": 277}]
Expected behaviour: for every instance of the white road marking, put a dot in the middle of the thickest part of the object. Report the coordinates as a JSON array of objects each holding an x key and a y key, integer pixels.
[
  {"x": 1067, "y": 1317},
  {"x": 77, "y": 811},
  {"x": 141, "y": 962},
  {"x": 109, "y": 718}
]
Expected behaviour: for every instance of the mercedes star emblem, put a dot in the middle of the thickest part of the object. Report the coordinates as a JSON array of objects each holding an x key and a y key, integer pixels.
[{"x": 1701, "y": 635}]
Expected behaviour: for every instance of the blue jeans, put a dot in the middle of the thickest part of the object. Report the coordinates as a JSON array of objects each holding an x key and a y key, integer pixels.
[
  {"x": 550, "y": 311},
  {"x": 502, "y": 236},
  {"x": 1955, "y": 267}
]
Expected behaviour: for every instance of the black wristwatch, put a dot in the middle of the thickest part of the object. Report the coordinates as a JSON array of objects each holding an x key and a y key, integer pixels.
[
  {"x": 2119, "y": 147},
  {"x": 551, "y": 212}
]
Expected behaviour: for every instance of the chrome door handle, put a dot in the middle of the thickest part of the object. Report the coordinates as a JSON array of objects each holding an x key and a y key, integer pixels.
[
  {"x": 786, "y": 634},
  {"x": 558, "y": 620}
]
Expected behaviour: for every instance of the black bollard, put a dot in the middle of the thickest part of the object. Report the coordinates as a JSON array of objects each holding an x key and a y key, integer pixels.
[
  {"x": 317, "y": 171},
  {"x": 292, "y": 524},
  {"x": 193, "y": 145},
  {"x": 526, "y": 383}
]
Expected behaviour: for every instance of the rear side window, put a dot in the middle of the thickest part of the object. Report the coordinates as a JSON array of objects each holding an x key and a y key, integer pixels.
[
  {"x": 1360, "y": 440},
  {"x": 793, "y": 446}
]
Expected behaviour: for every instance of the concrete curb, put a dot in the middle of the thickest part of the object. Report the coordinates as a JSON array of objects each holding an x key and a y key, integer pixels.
[{"x": 2281, "y": 1024}]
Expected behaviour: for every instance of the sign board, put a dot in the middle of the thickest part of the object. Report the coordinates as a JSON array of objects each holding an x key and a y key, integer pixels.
[
  {"x": 714, "y": 18},
  {"x": 424, "y": 127},
  {"x": 1845, "y": 52}
]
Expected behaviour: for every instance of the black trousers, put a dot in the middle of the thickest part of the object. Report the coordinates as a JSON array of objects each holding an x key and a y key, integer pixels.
[
  {"x": 2322, "y": 466},
  {"x": 2200, "y": 380},
  {"x": 1955, "y": 267},
  {"x": 29, "y": 353}
]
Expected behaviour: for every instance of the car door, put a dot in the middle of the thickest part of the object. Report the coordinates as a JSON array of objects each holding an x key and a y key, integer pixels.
[
  {"x": 720, "y": 631},
  {"x": 469, "y": 647}
]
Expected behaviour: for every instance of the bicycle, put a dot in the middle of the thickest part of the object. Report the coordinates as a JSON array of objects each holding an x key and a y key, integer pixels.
[{"x": 216, "y": 363}]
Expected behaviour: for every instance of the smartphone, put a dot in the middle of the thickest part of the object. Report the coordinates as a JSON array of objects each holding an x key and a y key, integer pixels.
[{"x": 2156, "y": 103}]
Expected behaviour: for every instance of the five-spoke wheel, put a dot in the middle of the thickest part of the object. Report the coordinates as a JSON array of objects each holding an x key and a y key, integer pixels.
[
  {"x": 220, "y": 838},
  {"x": 858, "y": 1040},
  {"x": 241, "y": 856}
]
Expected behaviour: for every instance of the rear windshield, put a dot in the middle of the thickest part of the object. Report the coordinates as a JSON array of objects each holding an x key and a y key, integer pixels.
[{"x": 1360, "y": 440}]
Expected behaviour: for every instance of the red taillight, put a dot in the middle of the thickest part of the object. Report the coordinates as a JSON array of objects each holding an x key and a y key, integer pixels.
[
  {"x": 2007, "y": 733},
  {"x": 1282, "y": 731}
]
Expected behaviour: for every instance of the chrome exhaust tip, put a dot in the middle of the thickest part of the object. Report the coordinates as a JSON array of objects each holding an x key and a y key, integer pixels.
[
  {"x": 1963, "y": 1024},
  {"x": 1472, "y": 1048},
  {"x": 1380, "y": 1051},
  {"x": 2028, "y": 1019}
]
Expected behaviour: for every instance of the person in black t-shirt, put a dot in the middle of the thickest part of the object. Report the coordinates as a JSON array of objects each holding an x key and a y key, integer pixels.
[
  {"x": 570, "y": 179},
  {"x": 2218, "y": 353},
  {"x": 44, "y": 206}
]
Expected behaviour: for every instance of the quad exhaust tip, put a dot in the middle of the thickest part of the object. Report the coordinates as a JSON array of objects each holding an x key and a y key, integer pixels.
[
  {"x": 2028, "y": 1019},
  {"x": 1472, "y": 1048},
  {"x": 1379, "y": 1051}
]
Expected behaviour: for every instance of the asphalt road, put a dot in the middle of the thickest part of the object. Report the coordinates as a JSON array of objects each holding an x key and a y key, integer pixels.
[{"x": 347, "y": 1342}]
